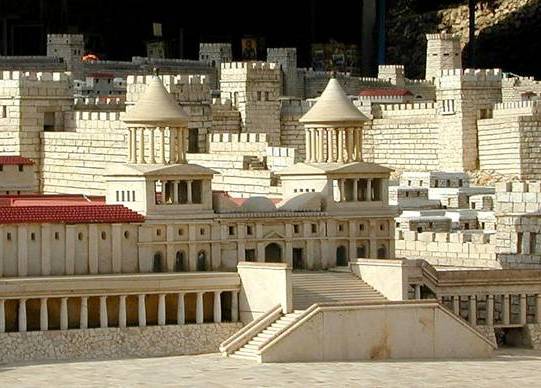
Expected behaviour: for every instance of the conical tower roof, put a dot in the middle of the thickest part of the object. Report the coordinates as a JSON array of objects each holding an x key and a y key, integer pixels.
[
  {"x": 333, "y": 108},
  {"x": 156, "y": 108}
]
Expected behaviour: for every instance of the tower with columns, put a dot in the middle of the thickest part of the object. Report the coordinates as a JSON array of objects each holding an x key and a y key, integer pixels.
[{"x": 157, "y": 180}]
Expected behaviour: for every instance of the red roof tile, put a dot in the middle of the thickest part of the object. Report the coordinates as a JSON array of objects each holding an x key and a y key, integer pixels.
[
  {"x": 15, "y": 160},
  {"x": 384, "y": 92},
  {"x": 85, "y": 214}
]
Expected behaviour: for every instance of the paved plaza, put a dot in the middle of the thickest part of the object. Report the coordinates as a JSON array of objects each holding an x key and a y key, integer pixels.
[{"x": 519, "y": 368}]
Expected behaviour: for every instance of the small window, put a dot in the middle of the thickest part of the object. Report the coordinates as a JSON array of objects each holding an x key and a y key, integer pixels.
[
  {"x": 33, "y": 236},
  {"x": 258, "y": 96},
  {"x": 267, "y": 95},
  {"x": 3, "y": 112},
  {"x": 436, "y": 183},
  {"x": 249, "y": 230},
  {"x": 448, "y": 183},
  {"x": 409, "y": 183},
  {"x": 466, "y": 226},
  {"x": 180, "y": 231},
  {"x": 460, "y": 183},
  {"x": 123, "y": 196},
  {"x": 202, "y": 231},
  {"x": 2, "y": 169},
  {"x": 421, "y": 182},
  {"x": 158, "y": 232},
  {"x": 361, "y": 227},
  {"x": 56, "y": 236},
  {"x": 398, "y": 224},
  {"x": 314, "y": 228},
  {"x": 296, "y": 228},
  {"x": 8, "y": 236},
  {"x": 80, "y": 236},
  {"x": 295, "y": 190},
  {"x": 128, "y": 196},
  {"x": 448, "y": 107},
  {"x": 117, "y": 196},
  {"x": 103, "y": 235},
  {"x": 382, "y": 227},
  {"x": 133, "y": 195},
  {"x": 340, "y": 227},
  {"x": 231, "y": 230},
  {"x": 21, "y": 168},
  {"x": 126, "y": 234}
]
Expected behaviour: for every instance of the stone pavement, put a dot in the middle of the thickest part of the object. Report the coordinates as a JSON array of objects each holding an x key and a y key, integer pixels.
[{"x": 511, "y": 367}]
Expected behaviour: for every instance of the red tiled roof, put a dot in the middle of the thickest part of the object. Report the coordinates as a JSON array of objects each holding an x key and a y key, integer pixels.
[
  {"x": 15, "y": 160},
  {"x": 50, "y": 199},
  {"x": 383, "y": 92},
  {"x": 78, "y": 214}
]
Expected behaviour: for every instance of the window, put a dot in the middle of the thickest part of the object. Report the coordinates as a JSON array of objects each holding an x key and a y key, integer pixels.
[
  {"x": 202, "y": 231},
  {"x": 473, "y": 205},
  {"x": 158, "y": 232},
  {"x": 126, "y": 234},
  {"x": 133, "y": 195},
  {"x": 33, "y": 236},
  {"x": 296, "y": 228},
  {"x": 436, "y": 183},
  {"x": 180, "y": 231},
  {"x": 249, "y": 255},
  {"x": 258, "y": 96},
  {"x": 267, "y": 95},
  {"x": 117, "y": 196},
  {"x": 128, "y": 196},
  {"x": 21, "y": 168},
  {"x": 340, "y": 227},
  {"x": 80, "y": 236},
  {"x": 314, "y": 228},
  {"x": 361, "y": 227},
  {"x": 448, "y": 107},
  {"x": 1, "y": 167},
  {"x": 382, "y": 227},
  {"x": 460, "y": 183},
  {"x": 8, "y": 236},
  {"x": 3, "y": 112},
  {"x": 398, "y": 224},
  {"x": 103, "y": 235},
  {"x": 421, "y": 183},
  {"x": 409, "y": 183},
  {"x": 123, "y": 196},
  {"x": 249, "y": 230},
  {"x": 56, "y": 236},
  {"x": 231, "y": 230},
  {"x": 519, "y": 242},
  {"x": 448, "y": 183},
  {"x": 467, "y": 225},
  {"x": 533, "y": 243}
]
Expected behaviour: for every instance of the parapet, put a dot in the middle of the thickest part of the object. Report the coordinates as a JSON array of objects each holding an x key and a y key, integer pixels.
[
  {"x": 442, "y": 36},
  {"x": 249, "y": 66},
  {"x": 169, "y": 79},
  {"x": 294, "y": 108},
  {"x": 452, "y": 237},
  {"x": 35, "y": 76},
  {"x": 457, "y": 78},
  {"x": 382, "y": 111},
  {"x": 65, "y": 37},
  {"x": 517, "y": 108},
  {"x": 238, "y": 138}
]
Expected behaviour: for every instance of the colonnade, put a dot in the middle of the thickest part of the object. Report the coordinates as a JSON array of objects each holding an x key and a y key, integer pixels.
[
  {"x": 365, "y": 193},
  {"x": 156, "y": 154},
  {"x": 333, "y": 145},
  {"x": 185, "y": 191},
  {"x": 22, "y": 318}
]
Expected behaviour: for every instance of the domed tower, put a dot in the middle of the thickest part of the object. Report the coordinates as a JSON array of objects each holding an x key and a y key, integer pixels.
[{"x": 157, "y": 180}]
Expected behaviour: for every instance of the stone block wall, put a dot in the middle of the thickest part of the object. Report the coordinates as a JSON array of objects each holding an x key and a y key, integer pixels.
[
  {"x": 514, "y": 88},
  {"x": 114, "y": 343}
]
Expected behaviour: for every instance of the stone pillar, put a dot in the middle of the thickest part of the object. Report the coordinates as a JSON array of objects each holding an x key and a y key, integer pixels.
[
  {"x": 22, "y": 315},
  {"x": 122, "y": 312},
  {"x": 340, "y": 145},
  {"x": 308, "y": 145},
  {"x": 217, "y": 307},
  {"x": 321, "y": 144},
  {"x": 490, "y": 310},
  {"x": 176, "y": 199},
  {"x": 181, "y": 315},
  {"x": 162, "y": 145},
  {"x": 523, "y": 309},
  {"x": 199, "y": 308},
  {"x": 456, "y": 304},
  {"x": 369, "y": 190},
  {"x": 357, "y": 140},
  {"x": 103, "y": 312},
  {"x": 141, "y": 155},
  {"x": 64, "y": 313},
  {"x": 234, "y": 306},
  {"x": 181, "y": 152},
  {"x": 329, "y": 146},
  {"x": 163, "y": 193},
  {"x": 189, "y": 191},
  {"x": 142, "y": 311},
  {"x": 152, "y": 159},
  {"x": 172, "y": 145},
  {"x": 83, "y": 315},
  {"x": 313, "y": 145},
  {"x": 417, "y": 291},
  {"x": 537, "y": 309},
  {"x": 341, "y": 183},
  {"x": 349, "y": 143},
  {"x": 161, "y": 309},
  {"x": 133, "y": 140},
  {"x": 472, "y": 316},
  {"x": 355, "y": 190},
  {"x": 2, "y": 316},
  {"x": 505, "y": 310},
  {"x": 43, "y": 315}
]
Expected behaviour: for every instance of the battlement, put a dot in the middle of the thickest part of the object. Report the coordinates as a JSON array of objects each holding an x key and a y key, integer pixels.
[
  {"x": 215, "y": 45},
  {"x": 391, "y": 68},
  {"x": 34, "y": 76},
  {"x": 383, "y": 111},
  {"x": 179, "y": 79},
  {"x": 517, "y": 108},
  {"x": 67, "y": 38},
  {"x": 238, "y": 138},
  {"x": 294, "y": 108},
  {"x": 446, "y": 237},
  {"x": 281, "y": 51},
  {"x": 219, "y": 104},
  {"x": 474, "y": 75},
  {"x": 442, "y": 36},
  {"x": 518, "y": 187},
  {"x": 250, "y": 66},
  {"x": 97, "y": 116},
  {"x": 99, "y": 101},
  {"x": 419, "y": 82}
]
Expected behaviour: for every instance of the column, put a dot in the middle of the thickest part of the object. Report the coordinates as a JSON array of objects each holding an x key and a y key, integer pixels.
[
  {"x": 63, "y": 313},
  {"x": 314, "y": 145},
  {"x": 130, "y": 145},
  {"x": 2, "y": 316},
  {"x": 152, "y": 159},
  {"x": 141, "y": 156},
  {"x": 189, "y": 191},
  {"x": 369, "y": 190},
  {"x": 417, "y": 291},
  {"x": 103, "y": 312},
  {"x": 490, "y": 310},
  {"x": 456, "y": 304},
  {"x": 341, "y": 183},
  {"x": 162, "y": 145},
  {"x": 349, "y": 142},
  {"x": 43, "y": 315},
  {"x": 181, "y": 315},
  {"x": 340, "y": 146},
  {"x": 217, "y": 307},
  {"x": 164, "y": 188},
  {"x": 22, "y": 315},
  {"x": 133, "y": 139},
  {"x": 357, "y": 150},
  {"x": 161, "y": 309},
  {"x": 355, "y": 190},
  {"x": 329, "y": 146},
  {"x": 537, "y": 309},
  {"x": 523, "y": 309},
  {"x": 172, "y": 145},
  {"x": 473, "y": 310},
  {"x": 142, "y": 313},
  {"x": 83, "y": 316},
  {"x": 199, "y": 308},
  {"x": 505, "y": 310},
  {"x": 181, "y": 154},
  {"x": 176, "y": 199},
  {"x": 122, "y": 312},
  {"x": 308, "y": 145},
  {"x": 321, "y": 145},
  {"x": 234, "y": 306}
]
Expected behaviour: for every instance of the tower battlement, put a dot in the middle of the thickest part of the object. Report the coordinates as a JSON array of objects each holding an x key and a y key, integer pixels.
[
  {"x": 442, "y": 36},
  {"x": 470, "y": 77}
]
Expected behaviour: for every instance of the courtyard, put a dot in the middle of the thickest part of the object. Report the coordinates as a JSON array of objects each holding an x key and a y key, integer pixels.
[{"x": 509, "y": 367}]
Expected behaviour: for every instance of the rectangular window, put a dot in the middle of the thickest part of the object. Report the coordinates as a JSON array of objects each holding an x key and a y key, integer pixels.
[
  {"x": 258, "y": 96},
  {"x": 519, "y": 242},
  {"x": 231, "y": 230},
  {"x": 133, "y": 195},
  {"x": 448, "y": 107},
  {"x": 267, "y": 95},
  {"x": 296, "y": 228},
  {"x": 21, "y": 168},
  {"x": 314, "y": 228},
  {"x": 3, "y": 112},
  {"x": 249, "y": 230},
  {"x": 123, "y": 196},
  {"x": 117, "y": 196},
  {"x": 533, "y": 243},
  {"x": 128, "y": 196}
]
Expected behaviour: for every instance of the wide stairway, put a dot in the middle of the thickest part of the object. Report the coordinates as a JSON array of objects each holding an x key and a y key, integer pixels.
[
  {"x": 330, "y": 286},
  {"x": 249, "y": 351}
]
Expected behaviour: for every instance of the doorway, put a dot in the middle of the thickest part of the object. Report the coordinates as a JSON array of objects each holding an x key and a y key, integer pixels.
[
  {"x": 341, "y": 256},
  {"x": 298, "y": 261}
]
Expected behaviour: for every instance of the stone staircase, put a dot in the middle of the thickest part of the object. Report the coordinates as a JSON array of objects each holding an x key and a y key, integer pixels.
[
  {"x": 330, "y": 286},
  {"x": 250, "y": 350}
]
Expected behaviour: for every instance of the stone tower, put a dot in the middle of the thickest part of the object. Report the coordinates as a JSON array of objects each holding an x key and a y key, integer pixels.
[
  {"x": 287, "y": 58},
  {"x": 69, "y": 47},
  {"x": 254, "y": 89},
  {"x": 443, "y": 52},
  {"x": 215, "y": 54}
]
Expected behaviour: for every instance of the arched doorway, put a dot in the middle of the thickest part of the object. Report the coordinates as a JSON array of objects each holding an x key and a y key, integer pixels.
[
  {"x": 179, "y": 262},
  {"x": 341, "y": 256},
  {"x": 382, "y": 252},
  {"x": 157, "y": 262},
  {"x": 202, "y": 261},
  {"x": 273, "y": 253}
]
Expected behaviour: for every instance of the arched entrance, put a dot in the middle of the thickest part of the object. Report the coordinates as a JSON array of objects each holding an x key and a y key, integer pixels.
[
  {"x": 382, "y": 252},
  {"x": 341, "y": 256},
  {"x": 273, "y": 253},
  {"x": 157, "y": 262},
  {"x": 202, "y": 261},
  {"x": 179, "y": 262}
]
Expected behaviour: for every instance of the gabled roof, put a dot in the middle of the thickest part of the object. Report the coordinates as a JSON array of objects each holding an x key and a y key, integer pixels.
[
  {"x": 158, "y": 169},
  {"x": 156, "y": 107},
  {"x": 8, "y": 160},
  {"x": 333, "y": 107},
  {"x": 334, "y": 168}
]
